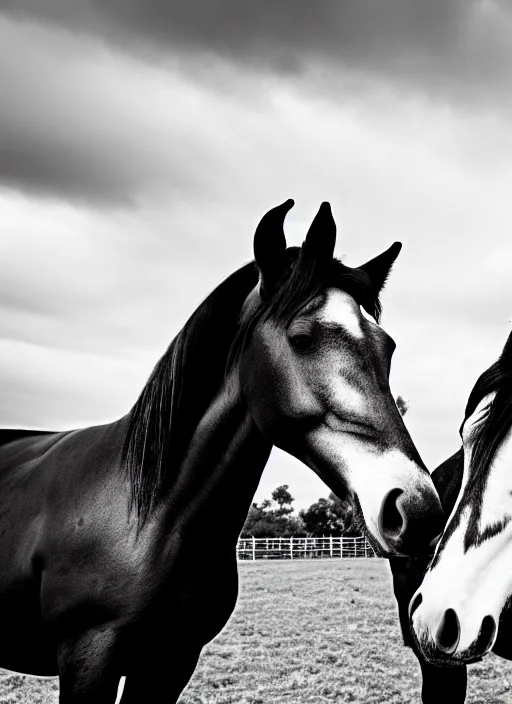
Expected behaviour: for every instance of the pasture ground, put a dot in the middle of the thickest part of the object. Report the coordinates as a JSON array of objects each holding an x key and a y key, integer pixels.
[{"x": 306, "y": 632}]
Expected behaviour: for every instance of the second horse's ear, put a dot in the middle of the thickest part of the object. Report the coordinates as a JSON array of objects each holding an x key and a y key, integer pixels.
[
  {"x": 270, "y": 247},
  {"x": 378, "y": 269}
]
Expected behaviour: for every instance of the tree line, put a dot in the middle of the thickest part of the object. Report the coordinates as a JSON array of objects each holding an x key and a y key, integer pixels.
[{"x": 275, "y": 518}]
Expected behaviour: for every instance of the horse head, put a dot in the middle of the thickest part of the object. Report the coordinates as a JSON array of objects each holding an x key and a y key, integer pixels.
[
  {"x": 464, "y": 595},
  {"x": 313, "y": 366}
]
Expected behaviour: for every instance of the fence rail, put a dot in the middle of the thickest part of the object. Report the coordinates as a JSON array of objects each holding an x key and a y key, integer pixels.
[{"x": 302, "y": 548}]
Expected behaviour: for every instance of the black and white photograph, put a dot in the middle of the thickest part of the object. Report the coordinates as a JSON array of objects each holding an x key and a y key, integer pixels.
[{"x": 255, "y": 352}]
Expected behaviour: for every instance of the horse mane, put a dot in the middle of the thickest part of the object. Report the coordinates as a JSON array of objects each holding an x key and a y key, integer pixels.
[
  {"x": 490, "y": 434},
  {"x": 189, "y": 374}
]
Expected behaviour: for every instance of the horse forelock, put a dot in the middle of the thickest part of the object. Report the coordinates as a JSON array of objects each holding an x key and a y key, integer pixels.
[{"x": 306, "y": 278}]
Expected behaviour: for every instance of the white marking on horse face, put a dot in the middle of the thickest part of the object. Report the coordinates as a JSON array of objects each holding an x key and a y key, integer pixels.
[
  {"x": 474, "y": 419},
  {"x": 497, "y": 497},
  {"x": 467, "y": 441},
  {"x": 372, "y": 475},
  {"x": 476, "y": 582},
  {"x": 341, "y": 308},
  {"x": 370, "y": 472}
]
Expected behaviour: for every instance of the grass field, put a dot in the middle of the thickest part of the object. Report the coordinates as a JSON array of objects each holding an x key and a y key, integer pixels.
[{"x": 306, "y": 632}]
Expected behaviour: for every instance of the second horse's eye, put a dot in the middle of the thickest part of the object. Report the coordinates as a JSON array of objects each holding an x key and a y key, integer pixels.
[{"x": 301, "y": 341}]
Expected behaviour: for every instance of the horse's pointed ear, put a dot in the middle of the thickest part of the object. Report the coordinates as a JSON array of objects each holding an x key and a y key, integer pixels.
[
  {"x": 378, "y": 269},
  {"x": 321, "y": 237},
  {"x": 270, "y": 247}
]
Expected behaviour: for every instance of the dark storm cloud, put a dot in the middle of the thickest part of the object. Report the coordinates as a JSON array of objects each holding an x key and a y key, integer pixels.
[
  {"x": 49, "y": 140},
  {"x": 457, "y": 48},
  {"x": 79, "y": 122},
  {"x": 33, "y": 163}
]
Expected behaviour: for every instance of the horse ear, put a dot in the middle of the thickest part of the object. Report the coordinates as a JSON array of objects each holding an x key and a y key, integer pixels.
[
  {"x": 321, "y": 237},
  {"x": 270, "y": 247},
  {"x": 378, "y": 269}
]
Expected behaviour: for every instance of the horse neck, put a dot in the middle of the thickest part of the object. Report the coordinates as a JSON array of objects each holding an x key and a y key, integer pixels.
[{"x": 221, "y": 468}]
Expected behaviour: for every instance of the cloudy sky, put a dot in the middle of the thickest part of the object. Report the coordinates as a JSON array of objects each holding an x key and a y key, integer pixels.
[{"x": 142, "y": 140}]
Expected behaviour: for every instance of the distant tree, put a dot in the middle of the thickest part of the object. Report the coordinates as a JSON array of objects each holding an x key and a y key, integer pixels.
[
  {"x": 273, "y": 518},
  {"x": 330, "y": 516},
  {"x": 319, "y": 520},
  {"x": 283, "y": 499},
  {"x": 403, "y": 405},
  {"x": 255, "y": 516}
]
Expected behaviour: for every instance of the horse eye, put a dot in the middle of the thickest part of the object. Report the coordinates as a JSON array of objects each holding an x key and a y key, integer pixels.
[{"x": 301, "y": 342}]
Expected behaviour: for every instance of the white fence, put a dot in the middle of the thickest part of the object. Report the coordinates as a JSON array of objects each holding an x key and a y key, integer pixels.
[{"x": 302, "y": 548}]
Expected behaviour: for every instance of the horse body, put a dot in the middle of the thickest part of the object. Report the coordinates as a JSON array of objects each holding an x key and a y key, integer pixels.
[
  {"x": 69, "y": 531},
  {"x": 103, "y": 570},
  {"x": 56, "y": 530}
]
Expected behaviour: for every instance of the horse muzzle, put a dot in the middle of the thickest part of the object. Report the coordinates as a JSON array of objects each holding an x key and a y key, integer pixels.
[{"x": 409, "y": 523}]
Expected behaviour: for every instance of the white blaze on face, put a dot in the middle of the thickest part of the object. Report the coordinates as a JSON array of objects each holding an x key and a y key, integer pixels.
[
  {"x": 341, "y": 308},
  {"x": 370, "y": 472},
  {"x": 477, "y": 582}
]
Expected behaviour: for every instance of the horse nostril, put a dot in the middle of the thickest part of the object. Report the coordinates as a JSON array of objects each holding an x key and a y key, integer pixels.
[
  {"x": 486, "y": 635},
  {"x": 390, "y": 519},
  {"x": 416, "y": 601},
  {"x": 448, "y": 633}
]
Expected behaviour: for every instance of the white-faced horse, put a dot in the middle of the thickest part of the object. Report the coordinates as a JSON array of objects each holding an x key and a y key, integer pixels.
[{"x": 459, "y": 609}]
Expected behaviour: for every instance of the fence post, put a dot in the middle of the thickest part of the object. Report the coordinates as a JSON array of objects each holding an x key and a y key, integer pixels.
[
  {"x": 291, "y": 547},
  {"x": 330, "y": 544},
  {"x": 253, "y": 548}
]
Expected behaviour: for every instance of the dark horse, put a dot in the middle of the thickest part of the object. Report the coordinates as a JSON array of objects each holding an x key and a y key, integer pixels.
[
  {"x": 454, "y": 607},
  {"x": 102, "y": 568}
]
